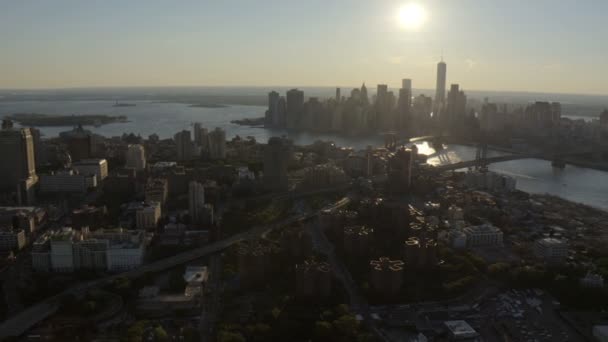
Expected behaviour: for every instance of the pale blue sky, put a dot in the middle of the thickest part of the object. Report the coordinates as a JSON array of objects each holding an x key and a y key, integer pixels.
[{"x": 539, "y": 45}]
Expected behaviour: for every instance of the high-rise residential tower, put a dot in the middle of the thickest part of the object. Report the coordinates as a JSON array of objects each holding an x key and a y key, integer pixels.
[
  {"x": 217, "y": 144},
  {"x": 196, "y": 201},
  {"x": 136, "y": 157},
  {"x": 272, "y": 114},
  {"x": 183, "y": 145},
  {"x": 276, "y": 157},
  {"x": 295, "y": 107}
]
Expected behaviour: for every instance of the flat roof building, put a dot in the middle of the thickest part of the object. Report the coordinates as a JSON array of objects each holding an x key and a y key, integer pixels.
[
  {"x": 460, "y": 330},
  {"x": 97, "y": 167},
  {"x": 483, "y": 235},
  {"x": 551, "y": 250}
]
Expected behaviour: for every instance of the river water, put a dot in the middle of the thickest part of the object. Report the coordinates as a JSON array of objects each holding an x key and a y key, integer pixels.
[{"x": 165, "y": 119}]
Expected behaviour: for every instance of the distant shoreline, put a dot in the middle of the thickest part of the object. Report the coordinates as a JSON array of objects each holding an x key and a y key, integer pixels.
[{"x": 43, "y": 120}]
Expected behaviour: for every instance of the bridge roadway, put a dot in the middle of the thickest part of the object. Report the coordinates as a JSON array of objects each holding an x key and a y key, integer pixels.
[
  {"x": 21, "y": 322},
  {"x": 493, "y": 160},
  {"x": 487, "y": 161}
]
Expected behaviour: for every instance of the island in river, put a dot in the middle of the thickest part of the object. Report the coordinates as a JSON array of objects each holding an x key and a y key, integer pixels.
[
  {"x": 253, "y": 122},
  {"x": 34, "y": 119},
  {"x": 123, "y": 104}
]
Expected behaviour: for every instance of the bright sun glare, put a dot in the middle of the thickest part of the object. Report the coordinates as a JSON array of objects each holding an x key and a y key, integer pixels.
[{"x": 412, "y": 16}]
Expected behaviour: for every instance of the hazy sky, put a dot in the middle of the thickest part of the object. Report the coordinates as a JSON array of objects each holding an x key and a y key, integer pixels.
[{"x": 522, "y": 45}]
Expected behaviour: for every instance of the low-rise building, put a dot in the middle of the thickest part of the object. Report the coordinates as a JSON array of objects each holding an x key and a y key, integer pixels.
[
  {"x": 490, "y": 181},
  {"x": 67, "y": 250},
  {"x": 12, "y": 240},
  {"x": 460, "y": 330},
  {"x": 551, "y": 250},
  {"x": 157, "y": 190},
  {"x": 592, "y": 280},
  {"x": 483, "y": 235},
  {"x": 600, "y": 332},
  {"x": 97, "y": 167},
  {"x": 67, "y": 181},
  {"x": 457, "y": 239},
  {"x": 62, "y": 250},
  {"x": 148, "y": 215},
  {"x": 41, "y": 256},
  {"x": 195, "y": 277}
]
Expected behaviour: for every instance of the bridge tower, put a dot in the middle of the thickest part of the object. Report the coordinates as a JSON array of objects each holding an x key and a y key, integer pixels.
[
  {"x": 481, "y": 156},
  {"x": 390, "y": 141}
]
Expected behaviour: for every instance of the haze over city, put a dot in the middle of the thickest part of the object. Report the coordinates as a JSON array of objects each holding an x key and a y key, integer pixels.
[
  {"x": 543, "y": 46},
  {"x": 309, "y": 171}
]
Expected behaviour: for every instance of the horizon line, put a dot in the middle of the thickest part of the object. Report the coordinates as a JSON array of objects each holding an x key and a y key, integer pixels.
[{"x": 288, "y": 86}]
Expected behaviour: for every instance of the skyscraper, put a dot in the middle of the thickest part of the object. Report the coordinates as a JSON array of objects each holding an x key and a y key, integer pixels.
[
  {"x": 457, "y": 103},
  {"x": 136, "y": 157},
  {"x": 383, "y": 108},
  {"x": 282, "y": 112},
  {"x": 338, "y": 96},
  {"x": 405, "y": 104},
  {"x": 440, "y": 88},
  {"x": 183, "y": 145},
  {"x": 196, "y": 201},
  {"x": 201, "y": 138},
  {"x": 363, "y": 95},
  {"x": 18, "y": 167},
  {"x": 295, "y": 107},
  {"x": 217, "y": 144},
  {"x": 276, "y": 157},
  {"x": 272, "y": 114},
  {"x": 381, "y": 92}
]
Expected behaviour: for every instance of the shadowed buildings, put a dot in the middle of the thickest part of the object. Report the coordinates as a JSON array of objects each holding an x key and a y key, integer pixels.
[
  {"x": 276, "y": 157},
  {"x": 357, "y": 240},
  {"x": 313, "y": 279},
  {"x": 136, "y": 157},
  {"x": 255, "y": 261},
  {"x": 420, "y": 253},
  {"x": 217, "y": 144},
  {"x": 196, "y": 201},
  {"x": 404, "y": 105},
  {"x": 457, "y": 103},
  {"x": 18, "y": 167},
  {"x": 79, "y": 142},
  {"x": 183, "y": 146},
  {"x": 400, "y": 170},
  {"x": 386, "y": 276},
  {"x": 295, "y": 108}
]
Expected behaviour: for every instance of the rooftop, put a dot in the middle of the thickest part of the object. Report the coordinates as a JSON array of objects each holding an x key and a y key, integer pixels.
[
  {"x": 460, "y": 329},
  {"x": 551, "y": 241}
]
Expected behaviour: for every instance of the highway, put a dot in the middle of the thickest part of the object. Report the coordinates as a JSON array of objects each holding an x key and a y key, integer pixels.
[{"x": 24, "y": 320}]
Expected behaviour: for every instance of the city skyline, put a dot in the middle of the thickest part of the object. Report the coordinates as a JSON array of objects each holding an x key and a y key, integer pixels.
[{"x": 198, "y": 44}]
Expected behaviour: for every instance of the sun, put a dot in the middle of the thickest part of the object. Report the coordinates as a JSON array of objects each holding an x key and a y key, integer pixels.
[{"x": 412, "y": 16}]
